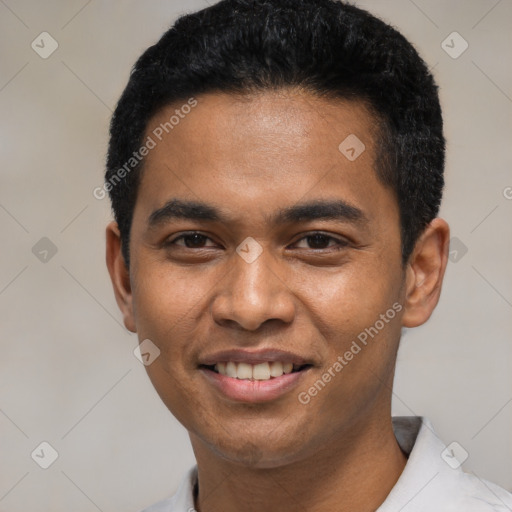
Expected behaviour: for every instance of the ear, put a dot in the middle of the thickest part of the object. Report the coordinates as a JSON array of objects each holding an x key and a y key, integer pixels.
[
  {"x": 425, "y": 272},
  {"x": 119, "y": 275}
]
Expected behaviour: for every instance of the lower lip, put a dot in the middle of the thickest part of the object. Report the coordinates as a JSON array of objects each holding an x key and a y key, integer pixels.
[{"x": 253, "y": 390}]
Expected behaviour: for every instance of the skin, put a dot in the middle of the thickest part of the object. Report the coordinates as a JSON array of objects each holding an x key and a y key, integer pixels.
[{"x": 251, "y": 156}]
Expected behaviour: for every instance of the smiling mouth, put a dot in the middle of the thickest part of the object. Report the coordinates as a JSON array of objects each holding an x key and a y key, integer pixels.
[{"x": 262, "y": 371}]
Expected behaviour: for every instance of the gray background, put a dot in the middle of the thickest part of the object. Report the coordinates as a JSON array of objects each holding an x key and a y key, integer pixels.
[{"x": 68, "y": 373}]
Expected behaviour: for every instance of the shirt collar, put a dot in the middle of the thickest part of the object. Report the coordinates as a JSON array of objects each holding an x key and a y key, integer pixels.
[{"x": 429, "y": 481}]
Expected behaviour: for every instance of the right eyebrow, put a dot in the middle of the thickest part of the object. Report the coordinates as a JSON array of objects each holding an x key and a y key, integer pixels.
[{"x": 333, "y": 209}]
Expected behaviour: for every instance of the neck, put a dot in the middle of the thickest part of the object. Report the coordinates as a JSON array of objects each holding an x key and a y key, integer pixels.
[{"x": 354, "y": 472}]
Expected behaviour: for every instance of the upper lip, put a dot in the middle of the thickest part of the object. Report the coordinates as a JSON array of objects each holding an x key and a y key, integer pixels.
[{"x": 253, "y": 357}]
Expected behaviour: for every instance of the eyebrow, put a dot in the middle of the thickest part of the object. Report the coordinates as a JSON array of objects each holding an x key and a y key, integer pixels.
[{"x": 336, "y": 209}]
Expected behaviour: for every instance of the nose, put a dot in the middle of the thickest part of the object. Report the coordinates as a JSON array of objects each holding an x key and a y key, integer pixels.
[{"x": 252, "y": 294}]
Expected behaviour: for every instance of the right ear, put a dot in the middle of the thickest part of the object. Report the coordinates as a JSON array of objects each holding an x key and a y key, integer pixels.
[{"x": 119, "y": 275}]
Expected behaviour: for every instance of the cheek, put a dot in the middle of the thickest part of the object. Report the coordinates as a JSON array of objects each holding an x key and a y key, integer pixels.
[
  {"x": 180, "y": 396},
  {"x": 345, "y": 302},
  {"x": 356, "y": 313},
  {"x": 165, "y": 292},
  {"x": 167, "y": 306}
]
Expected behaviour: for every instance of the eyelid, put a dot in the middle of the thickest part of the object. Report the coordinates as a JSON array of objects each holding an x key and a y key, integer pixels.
[
  {"x": 187, "y": 233},
  {"x": 340, "y": 241}
]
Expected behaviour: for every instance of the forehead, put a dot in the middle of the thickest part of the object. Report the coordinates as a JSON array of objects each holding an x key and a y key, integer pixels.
[
  {"x": 254, "y": 127},
  {"x": 257, "y": 152}
]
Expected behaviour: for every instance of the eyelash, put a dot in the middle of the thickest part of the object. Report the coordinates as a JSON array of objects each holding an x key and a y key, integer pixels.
[{"x": 340, "y": 244}]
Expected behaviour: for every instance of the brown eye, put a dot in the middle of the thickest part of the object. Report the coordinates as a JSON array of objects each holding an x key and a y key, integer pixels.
[
  {"x": 191, "y": 241},
  {"x": 321, "y": 241}
]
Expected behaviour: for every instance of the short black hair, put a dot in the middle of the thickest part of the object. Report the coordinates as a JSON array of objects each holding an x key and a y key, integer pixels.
[{"x": 326, "y": 47}]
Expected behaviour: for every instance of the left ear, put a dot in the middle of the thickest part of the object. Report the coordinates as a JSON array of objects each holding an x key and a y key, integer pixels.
[{"x": 425, "y": 273}]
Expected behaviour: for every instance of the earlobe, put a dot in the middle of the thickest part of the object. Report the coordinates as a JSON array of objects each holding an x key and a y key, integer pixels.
[
  {"x": 119, "y": 275},
  {"x": 425, "y": 273}
]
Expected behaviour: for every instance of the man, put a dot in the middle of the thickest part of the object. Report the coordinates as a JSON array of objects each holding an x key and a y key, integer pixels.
[{"x": 275, "y": 169}]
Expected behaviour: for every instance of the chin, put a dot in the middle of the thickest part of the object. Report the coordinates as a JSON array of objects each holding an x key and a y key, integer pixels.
[{"x": 257, "y": 453}]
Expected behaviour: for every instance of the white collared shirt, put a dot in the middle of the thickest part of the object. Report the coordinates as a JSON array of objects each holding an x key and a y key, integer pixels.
[{"x": 432, "y": 480}]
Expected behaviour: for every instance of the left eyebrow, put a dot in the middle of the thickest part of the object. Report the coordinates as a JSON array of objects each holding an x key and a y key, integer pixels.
[
  {"x": 303, "y": 212},
  {"x": 319, "y": 210}
]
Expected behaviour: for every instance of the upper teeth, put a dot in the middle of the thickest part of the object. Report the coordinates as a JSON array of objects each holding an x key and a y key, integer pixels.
[{"x": 261, "y": 371}]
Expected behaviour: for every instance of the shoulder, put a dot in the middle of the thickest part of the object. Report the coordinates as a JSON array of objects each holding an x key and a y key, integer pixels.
[
  {"x": 183, "y": 499},
  {"x": 166, "y": 505},
  {"x": 433, "y": 479},
  {"x": 474, "y": 494}
]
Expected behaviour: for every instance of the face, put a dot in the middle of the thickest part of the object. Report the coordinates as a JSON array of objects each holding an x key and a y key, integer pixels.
[{"x": 291, "y": 256}]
